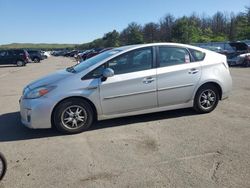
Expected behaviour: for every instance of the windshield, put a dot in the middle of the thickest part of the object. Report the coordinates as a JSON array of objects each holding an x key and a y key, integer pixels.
[{"x": 92, "y": 61}]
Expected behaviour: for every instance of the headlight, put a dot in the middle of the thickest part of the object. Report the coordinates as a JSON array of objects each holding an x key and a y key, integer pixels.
[{"x": 38, "y": 92}]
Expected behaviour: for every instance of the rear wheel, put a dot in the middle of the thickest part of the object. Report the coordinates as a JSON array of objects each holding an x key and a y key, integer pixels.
[
  {"x": 36, "y": 60},
  {"x": 206, "y": 99},
  {"x": 20, "y": 63},
  {"x": 246, "y": 63},
  {"x": 73, "y": 116}
]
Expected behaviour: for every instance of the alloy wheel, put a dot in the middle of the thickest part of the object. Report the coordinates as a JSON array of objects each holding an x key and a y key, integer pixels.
[
  {"x": 207, "y": 99},
  {"x": 74, "y": 117}
]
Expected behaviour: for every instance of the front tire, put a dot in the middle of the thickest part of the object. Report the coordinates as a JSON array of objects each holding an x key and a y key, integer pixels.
[
  {"x": 3, "y": 166},
  {"x": 206, "y": 99},
  {"x": 73, "y": 116}
]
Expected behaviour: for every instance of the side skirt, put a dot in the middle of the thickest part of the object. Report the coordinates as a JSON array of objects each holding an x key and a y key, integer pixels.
[{"x": 147, "y": 111}]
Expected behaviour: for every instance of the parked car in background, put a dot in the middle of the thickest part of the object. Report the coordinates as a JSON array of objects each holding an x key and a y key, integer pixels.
[
  {"x": 82, "y": 56},
  {"x": 16, "y": 57},
  {"x": 244, "y": 59},
  {"x": 96, "y": 52},
  {"x": 35, "y": 55},
  {"x": 91, "y": 53},
  {"x": 127, "y": 81},
  {"x": 213, "y": 48},
  {"x": 239, "y": 54},
  {"x": 44, "y": 54},
  {"x": 47, "y": 53},
  {"x": 59, "y": 52},
  {"x": 71, "y": 53}
]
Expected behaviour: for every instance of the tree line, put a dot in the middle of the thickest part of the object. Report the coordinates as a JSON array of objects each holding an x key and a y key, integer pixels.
[{"x": 187, "y": 29}]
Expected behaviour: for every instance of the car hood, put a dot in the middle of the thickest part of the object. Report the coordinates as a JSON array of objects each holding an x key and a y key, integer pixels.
[
  {"x": 239, "y": 46},
  {"x": 50, "y": 79}
]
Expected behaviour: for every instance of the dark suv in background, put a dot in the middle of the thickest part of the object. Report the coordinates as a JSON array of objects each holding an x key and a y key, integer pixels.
[
  {"x": 35, "y": 55},
  {"x": 15, "y": 57}
]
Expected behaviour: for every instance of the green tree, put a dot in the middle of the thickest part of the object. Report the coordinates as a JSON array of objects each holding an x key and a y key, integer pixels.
[
  {"x": 111, "y": 39},
  {"x": 185, "y": 31},
  {"x": 243, "y": 25},
  {"x": 166, "y": 28},
  {"x": 151, "y": 32},
  {"x": 132, "y": 34}
]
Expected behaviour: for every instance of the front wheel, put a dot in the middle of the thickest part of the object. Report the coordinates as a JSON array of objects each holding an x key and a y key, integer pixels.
[
  {"x": 3, "y": 166},
  {"x": 73, "y": 116},
  {"x": 206, "y": 99}
]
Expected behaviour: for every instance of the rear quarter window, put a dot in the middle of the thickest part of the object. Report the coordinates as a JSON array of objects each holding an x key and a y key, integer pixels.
[{"x": 197, "y": 55}]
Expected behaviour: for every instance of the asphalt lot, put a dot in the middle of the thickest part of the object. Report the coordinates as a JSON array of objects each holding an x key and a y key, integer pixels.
[{"x": 168, "y": 149}]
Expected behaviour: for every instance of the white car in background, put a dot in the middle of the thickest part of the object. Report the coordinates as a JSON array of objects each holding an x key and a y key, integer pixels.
[{"x": 47, "y": 53}]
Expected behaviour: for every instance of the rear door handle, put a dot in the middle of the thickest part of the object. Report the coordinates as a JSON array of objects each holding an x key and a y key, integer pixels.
[
  {"x": 148, "y": 80},
  {"x": 193, "y": 71}
]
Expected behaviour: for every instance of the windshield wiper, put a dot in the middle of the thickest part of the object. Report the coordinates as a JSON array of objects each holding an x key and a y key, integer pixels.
[{"x": 71, "y": 69}]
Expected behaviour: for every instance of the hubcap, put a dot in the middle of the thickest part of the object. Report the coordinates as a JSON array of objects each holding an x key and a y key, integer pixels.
[
  {"x": 207, "y": 99},
  {"x": 19, "y": 63},
  {"x": 74, "y": 117}
]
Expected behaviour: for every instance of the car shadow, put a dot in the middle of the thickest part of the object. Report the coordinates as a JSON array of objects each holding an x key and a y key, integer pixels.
[
  {"x": 11, "y": 128},
  {"x": 143, "y": 118},
  {"x": 7, "y": 66}
]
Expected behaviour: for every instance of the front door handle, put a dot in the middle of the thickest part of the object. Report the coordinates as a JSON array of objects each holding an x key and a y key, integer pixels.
[
  {"x": 148, "y": 80},
  {"x": 193, "y": 71}
]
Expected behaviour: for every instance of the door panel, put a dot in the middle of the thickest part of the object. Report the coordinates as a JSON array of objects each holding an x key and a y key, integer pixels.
[
  {"x": 177, "y": 76},
  {"x": 129, "y": 92},
  {"x": 176, "y": 84}
]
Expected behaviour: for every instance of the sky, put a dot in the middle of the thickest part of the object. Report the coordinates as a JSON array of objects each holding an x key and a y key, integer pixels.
[{"x": 81, "y": 21}]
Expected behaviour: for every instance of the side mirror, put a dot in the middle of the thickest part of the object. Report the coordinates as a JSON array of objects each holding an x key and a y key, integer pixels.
[{"x": 107, "y": 73}]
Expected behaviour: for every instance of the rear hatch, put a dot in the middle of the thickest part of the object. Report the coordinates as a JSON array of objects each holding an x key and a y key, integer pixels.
[{"x": 239, "y": 46}]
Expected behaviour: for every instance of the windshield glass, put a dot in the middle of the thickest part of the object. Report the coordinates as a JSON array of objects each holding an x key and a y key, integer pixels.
[{"x": 89, "y": 62}]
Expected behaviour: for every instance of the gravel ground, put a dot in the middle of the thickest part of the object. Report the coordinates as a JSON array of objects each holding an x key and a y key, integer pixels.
[{"x": 168, "y": 149}]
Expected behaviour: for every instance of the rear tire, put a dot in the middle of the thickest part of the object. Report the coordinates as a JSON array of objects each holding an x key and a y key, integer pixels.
[
  {"x": 246, "y": 63},
  {"x": 36, "y": 60},
  {"x": 206, "y": 99},
  {"x": 73, "y": 116},
  {"x": 20, "y": 63}
]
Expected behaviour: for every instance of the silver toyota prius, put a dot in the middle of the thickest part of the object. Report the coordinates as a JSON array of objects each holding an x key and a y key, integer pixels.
[{"x": 127, "y": 81}]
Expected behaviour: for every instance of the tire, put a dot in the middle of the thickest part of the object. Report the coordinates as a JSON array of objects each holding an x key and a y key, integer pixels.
[
  {"x": 246, "y": 63},
  {"x": 3, "y": 166},
  {"x": 73, "y": 116},
  {"x": 206, "y": 99},
  {"x": 36, "y": 60},
  {"x": 20, "y": 63}
]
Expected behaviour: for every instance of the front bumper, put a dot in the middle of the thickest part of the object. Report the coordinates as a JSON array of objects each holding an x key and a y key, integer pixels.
[{"x": 36, "y": 113}]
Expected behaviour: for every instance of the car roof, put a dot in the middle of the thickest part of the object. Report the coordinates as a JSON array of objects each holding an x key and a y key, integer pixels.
[{"x": 126, "y": 48}]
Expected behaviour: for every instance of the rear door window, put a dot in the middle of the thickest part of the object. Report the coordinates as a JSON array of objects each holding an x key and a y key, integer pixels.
[{"x": 169, "y": 56}]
